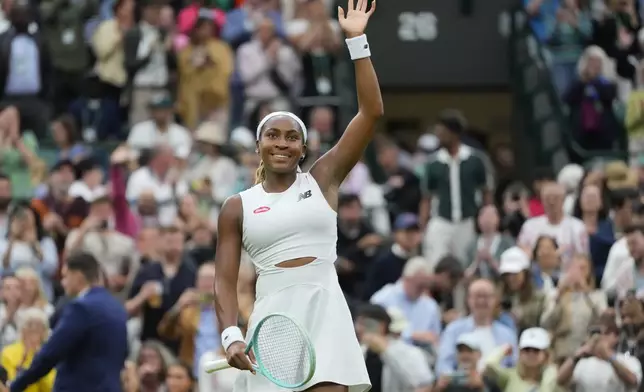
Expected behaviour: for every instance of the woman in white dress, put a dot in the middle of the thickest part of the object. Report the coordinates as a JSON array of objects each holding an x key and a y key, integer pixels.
[{"x": 287, "y": 223}]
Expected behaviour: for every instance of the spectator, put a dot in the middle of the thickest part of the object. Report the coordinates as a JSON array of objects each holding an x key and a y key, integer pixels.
[
  {"x": 33, "y": 294},
  {"x": 11, "y": 297},
  {"x": 389, "y": 265},
  {"x": 192, "y": 320},
  {"x": 546, "y": 263},
  {"x": 574, "y": 307},
  {"x": 189, "y": 216},
  {"x": 89, "y": 185},
  {"x": 27, "y": 74},
  {"x": 456, "y": 210},
  {"x": 108, "y": 45},
  {"x": 205, "y": 68},
  {"x": 151, "y": 367},
  {"x": 27, "y": 245},
  {"x": 591, "y": 99},
  {"x": 490, "y": 333},
  {"x": 149, "y": 59},
  {"x": 160, "y": 128},
  {"x": 596, "y": 366},
  {"x": 485, "y": 251},
  {"x": 532, "y": 368},
  {"x": 407, "y": 294},
  {"x": 242, "y": 22},
  {"x": 215, "y": 173},
  {"x": 566, "y": 34},
  {"x": 179, "y": 378},
  {"x": 16, "y": 357},
  {"x": 570, "y": 232},
  {"x": 519, "y": 297},
  {"x": 392, "y": 364},
  {"x": 62, "y": 27},
  {"x": 268, "y": 68},
  {"x": 19, "y": 153},
  {"x": 65, "y": 134},
  {"x": 589, "y": 209}
]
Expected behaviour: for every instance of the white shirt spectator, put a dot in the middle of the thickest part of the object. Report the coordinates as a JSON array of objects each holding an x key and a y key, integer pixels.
[
  {"x": 155, "y": 72},
  {"x": 143, "y": 180},
  {"x": 146, "y": 135},
  {"x": 570, "y": 233},
  {"x": 618, "y": 263},
  {"x": 595, "y": 375}
]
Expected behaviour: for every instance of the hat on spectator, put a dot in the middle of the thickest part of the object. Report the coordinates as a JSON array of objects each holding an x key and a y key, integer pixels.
[
  {"x": 212, "y": 133},
  {"x": 406, "y": 221},
  {"x": 620, "y": 176},
  {"x": 242, "y": 137},
  {"x": 513, "y": 261},
  {"x": 398, "y": 320},
  {"x": 535, "y": 338},
  {"x": 469, "y": 340},
  {"x": 161, "y": 101},
  {"x": 570, "y": 176}
]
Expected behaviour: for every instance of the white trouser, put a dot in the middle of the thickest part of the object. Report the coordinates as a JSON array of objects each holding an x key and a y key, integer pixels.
[{"x": 444, "y": 237}]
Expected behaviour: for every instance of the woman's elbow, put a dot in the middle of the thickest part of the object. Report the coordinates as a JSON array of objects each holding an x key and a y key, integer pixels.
[{"x": 374, "y": 110}]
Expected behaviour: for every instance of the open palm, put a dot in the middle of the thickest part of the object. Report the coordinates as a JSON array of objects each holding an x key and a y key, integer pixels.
[{"x": 354, "y": 21}]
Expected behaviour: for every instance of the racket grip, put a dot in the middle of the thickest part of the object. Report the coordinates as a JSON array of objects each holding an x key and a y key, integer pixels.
[{"x": 215, "y": 366}]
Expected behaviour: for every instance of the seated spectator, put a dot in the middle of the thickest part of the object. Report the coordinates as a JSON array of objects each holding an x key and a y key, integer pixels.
[
  {"x": 389, "y": 265},
  {"x": 448, "y": 288},
  {"x": 205, "y": 68},
  {"x": 618, "y": 274},
  {"x": 16, "y": 357},
  {"x": 590, "y": 210},
  {"x": 571, "y": 176},
  {"x": 151, "y": 367},
  {"x": 533, "y": 367},
  {"x": 149, "y": 59},
  {"x": 11, "y": 296},
  {"x": 591, "y": 99},
  {"x": 519, "y": 297},
  {"x": 65, "y": 135},
  {"x": 27, "y": 245},
  {"x": 485, "y": 251},
  {"x": 539, "y": 11},
  {"x": 546, "y": 263},
  {"x": 268, "y": 67},
  {"x": 467, "y": 377},
  {"x": 108, "y": 45},
  {"x": 202, "y": 244},
  {"x": 542, "y": 176},
  {"x": 597, "y": 367},
  {"x": 89, "y": 186},
  {"x": 572, "y": 308},
  {"x": 569, "y": 232},
  {"x": 19, "y": 157},
  {"x": 242, "y": 22},
  {"x": 567, "y": 33},
  {"x": 179, "y": 378},
  {"x": 393, "y": 365},
  {"x": 192, "y": 320},
  {"x": 160, "y": 128},
  {"x": 482, "y": 301},
  {"x": 190, "y": 217},
  {"x": 421, "y": 311},
  {"x": 213, "y": 172},
  {"x": 26, "y": 76},
  {"x": 33, "y": 292}
]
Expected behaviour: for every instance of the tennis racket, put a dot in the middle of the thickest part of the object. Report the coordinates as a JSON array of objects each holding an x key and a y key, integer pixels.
[{"x": 283, "y": 352}]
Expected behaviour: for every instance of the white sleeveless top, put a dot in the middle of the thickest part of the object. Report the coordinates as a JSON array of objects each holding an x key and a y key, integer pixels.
[{"x": 292, "y": 224}]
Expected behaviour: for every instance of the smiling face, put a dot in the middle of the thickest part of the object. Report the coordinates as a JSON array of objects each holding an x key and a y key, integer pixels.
[{"x": 281, "y": 144}]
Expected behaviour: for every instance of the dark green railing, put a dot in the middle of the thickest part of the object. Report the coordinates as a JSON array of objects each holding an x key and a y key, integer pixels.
[{"x": 544, "y": 133}]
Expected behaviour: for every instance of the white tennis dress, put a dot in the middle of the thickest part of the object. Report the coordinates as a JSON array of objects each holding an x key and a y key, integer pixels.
[{"x": 293, "y": 224}]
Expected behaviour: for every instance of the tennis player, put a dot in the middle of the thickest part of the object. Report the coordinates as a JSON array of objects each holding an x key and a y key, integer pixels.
[{"x": 287, "y": 223}]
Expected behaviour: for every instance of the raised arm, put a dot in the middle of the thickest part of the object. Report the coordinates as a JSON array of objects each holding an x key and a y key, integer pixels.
[{"x": 332, "y": 168}]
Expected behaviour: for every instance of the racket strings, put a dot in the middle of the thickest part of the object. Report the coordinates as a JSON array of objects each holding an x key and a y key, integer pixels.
[{"x": 284, "y": 351}]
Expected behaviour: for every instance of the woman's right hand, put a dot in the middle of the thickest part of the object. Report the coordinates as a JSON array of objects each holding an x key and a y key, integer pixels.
[{"x": 237, "y": 358}]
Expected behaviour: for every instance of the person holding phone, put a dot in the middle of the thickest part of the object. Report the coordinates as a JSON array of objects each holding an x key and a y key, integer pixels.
[{"x": 192, "y": 320}]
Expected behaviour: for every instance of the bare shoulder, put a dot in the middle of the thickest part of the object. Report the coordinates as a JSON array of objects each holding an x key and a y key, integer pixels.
[{"x": 231, "y": 212}]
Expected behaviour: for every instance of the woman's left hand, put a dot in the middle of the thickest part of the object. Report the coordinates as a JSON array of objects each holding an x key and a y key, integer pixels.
[{"x": 354, "y": 21}]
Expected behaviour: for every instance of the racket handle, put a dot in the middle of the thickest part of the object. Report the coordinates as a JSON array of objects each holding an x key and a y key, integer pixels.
[{"x": 215, "y": 366}]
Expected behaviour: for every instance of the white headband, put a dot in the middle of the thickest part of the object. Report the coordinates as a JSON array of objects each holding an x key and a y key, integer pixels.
[{"x": 287, "y": 114}]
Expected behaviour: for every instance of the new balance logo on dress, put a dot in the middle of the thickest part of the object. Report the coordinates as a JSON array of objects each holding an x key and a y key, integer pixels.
[{"x": 304, "y": 195}]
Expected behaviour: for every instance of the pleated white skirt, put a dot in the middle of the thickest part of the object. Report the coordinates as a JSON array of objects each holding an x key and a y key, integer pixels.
[{"x": 311, "y": 295}]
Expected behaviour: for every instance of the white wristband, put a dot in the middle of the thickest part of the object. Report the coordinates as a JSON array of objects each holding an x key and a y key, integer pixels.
[
  {"x": 231, "y": 335},
  {"x": 358, "y": 47}
]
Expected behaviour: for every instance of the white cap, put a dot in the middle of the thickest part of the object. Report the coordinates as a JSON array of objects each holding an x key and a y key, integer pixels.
[
  {"x": 398, "y": 320},
  {"x": 534, "y": 338},
  {"x": 513, "y": 261},
  {"x": 470, "y": 340}
]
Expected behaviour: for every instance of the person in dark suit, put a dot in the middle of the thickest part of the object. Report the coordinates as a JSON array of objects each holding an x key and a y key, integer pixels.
[{"x": 88, "y": 347}]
